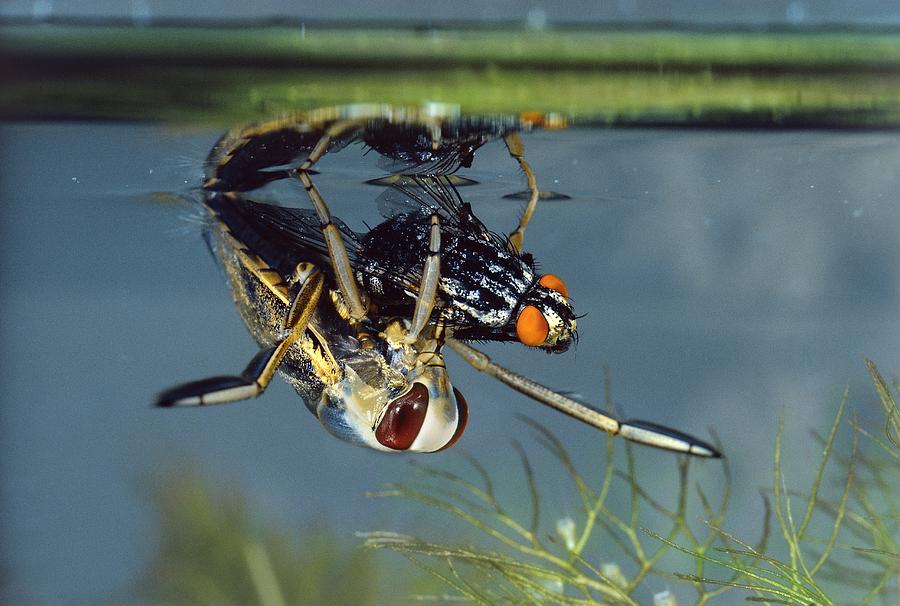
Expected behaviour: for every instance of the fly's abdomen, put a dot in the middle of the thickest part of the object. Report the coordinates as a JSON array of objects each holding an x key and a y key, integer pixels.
[{"x": 261, "y": 309}]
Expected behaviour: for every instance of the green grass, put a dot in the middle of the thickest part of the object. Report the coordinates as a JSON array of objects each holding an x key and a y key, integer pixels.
[{"x": 220, "y": 76}]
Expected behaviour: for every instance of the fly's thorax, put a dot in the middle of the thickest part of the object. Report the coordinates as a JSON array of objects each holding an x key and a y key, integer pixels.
[{"x": 481, "y": 283}]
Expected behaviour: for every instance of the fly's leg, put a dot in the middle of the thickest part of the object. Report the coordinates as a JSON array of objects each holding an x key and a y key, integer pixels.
[
  {"x": 431, "y": 275},
  {"x": 642, "y": 432},
  {"x": 337, "y": 252},
  {"x": 517, "y": 151},
  {"x": 259, "y": 372}
]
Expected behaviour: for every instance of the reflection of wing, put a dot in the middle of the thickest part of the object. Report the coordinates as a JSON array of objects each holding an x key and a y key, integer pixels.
[
  {"x": 454, "y": 180},
  {"x": 425, "y": 195},
  {"x": 282, "y": 237},
  {"x": 543, "y": 196},
  {"x": 423, "y": 163}
]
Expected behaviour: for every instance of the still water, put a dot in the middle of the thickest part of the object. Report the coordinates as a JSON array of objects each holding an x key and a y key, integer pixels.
[{"x": 726, "y": 278}]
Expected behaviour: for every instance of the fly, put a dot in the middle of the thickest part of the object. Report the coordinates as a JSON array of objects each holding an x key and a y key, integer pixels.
[
  {"x": 482, "y": 290},
  {"x": 375, "y": 389},
  {"x": 371, "y": 378}
]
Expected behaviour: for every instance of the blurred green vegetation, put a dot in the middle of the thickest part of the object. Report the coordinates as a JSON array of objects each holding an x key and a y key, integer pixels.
[
  {"x": 221, "y": 76},
  {"x": 213, "y": 549}
]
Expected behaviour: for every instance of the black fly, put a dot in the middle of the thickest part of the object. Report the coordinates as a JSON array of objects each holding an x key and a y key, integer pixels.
[{"x": 356, "y": 323}]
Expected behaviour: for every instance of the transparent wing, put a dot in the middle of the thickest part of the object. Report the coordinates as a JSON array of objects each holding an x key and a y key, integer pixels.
[
  {"x": 423, "y": 195},
  {"x": 281, "y": 236}
]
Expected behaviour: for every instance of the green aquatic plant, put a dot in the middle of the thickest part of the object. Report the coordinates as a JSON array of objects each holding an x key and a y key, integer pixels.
[
  {"x": 835, "y": 542},
  {"x": 533, "y": 566},
  {"x": 528, "y": 565},
  {"x": 835, "y": 548},
  {"x": 891, "y": 410},
  {"x": 859, "y": 557}
]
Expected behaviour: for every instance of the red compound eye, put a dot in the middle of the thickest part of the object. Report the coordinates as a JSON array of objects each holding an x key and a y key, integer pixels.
[{"x": 403, "y": 419}]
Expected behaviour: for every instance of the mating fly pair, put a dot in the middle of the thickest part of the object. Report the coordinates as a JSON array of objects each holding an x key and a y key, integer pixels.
[{"x": 356, "y": 323}]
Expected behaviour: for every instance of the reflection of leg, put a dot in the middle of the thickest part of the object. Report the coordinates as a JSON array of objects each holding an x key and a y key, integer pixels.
[
  {"x": 337, "y": 252},
  {"x": 331, "y": 133},
  {"x": 431, "y": 275},
  {"x": 517, "y": 150},
  {"x": 636, "y": 431},
  {"x": 259, "y": 372}
]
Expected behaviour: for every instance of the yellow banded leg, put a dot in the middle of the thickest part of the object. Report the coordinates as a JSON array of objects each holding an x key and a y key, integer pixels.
[
  {"x": 431, "y": 276},
  {"x": 517, "y": 150},
  {"x": 642, "y": 432},
  {"x": 259, "y": 372}
]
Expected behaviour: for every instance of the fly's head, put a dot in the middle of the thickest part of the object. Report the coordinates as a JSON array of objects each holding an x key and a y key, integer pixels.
[
  {"x": 545, "y": 317},
  {"x": 430, "y": 416},
  {"x": 424, "y": 413}
]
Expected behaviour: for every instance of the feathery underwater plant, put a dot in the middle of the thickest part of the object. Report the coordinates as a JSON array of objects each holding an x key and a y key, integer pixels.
[
  {"x": 532, "y": 566},
  {"x": 841, "y": 549},
  {"x": 860, "y": 557}
]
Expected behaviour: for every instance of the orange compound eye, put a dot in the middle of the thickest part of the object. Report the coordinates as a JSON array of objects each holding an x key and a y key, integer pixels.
[
  {"x": 532, "y": 327},
  {"x": 553, "y": 283}
]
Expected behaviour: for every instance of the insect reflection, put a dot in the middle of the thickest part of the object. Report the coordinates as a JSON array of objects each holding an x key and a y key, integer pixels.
[{"x": 357, "y": 323}]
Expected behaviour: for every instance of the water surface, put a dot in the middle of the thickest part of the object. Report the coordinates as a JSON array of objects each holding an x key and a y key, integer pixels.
[{"x": 727, "y": 278}]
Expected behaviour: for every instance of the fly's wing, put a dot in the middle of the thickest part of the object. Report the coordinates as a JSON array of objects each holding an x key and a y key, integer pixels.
[
  {"x": 424, "y": 195},
  {"x": 282, "y": 237},
  {"x": 435, "y": 148}
]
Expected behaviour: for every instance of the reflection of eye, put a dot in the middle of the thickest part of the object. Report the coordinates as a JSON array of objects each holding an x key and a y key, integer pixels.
[
  {"x": 531, "y": 327},
  {"x": 554, "y": 283},
  {"x": 403, "y": 419}
]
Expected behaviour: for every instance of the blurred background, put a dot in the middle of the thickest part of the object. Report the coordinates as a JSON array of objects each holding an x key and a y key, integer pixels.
[
  {"x": 731, "y": 237},
  {"x": 727, "y": 12}
]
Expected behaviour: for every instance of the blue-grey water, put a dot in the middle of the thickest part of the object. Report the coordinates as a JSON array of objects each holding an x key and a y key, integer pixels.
[{"x": 727, "y": 278}]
